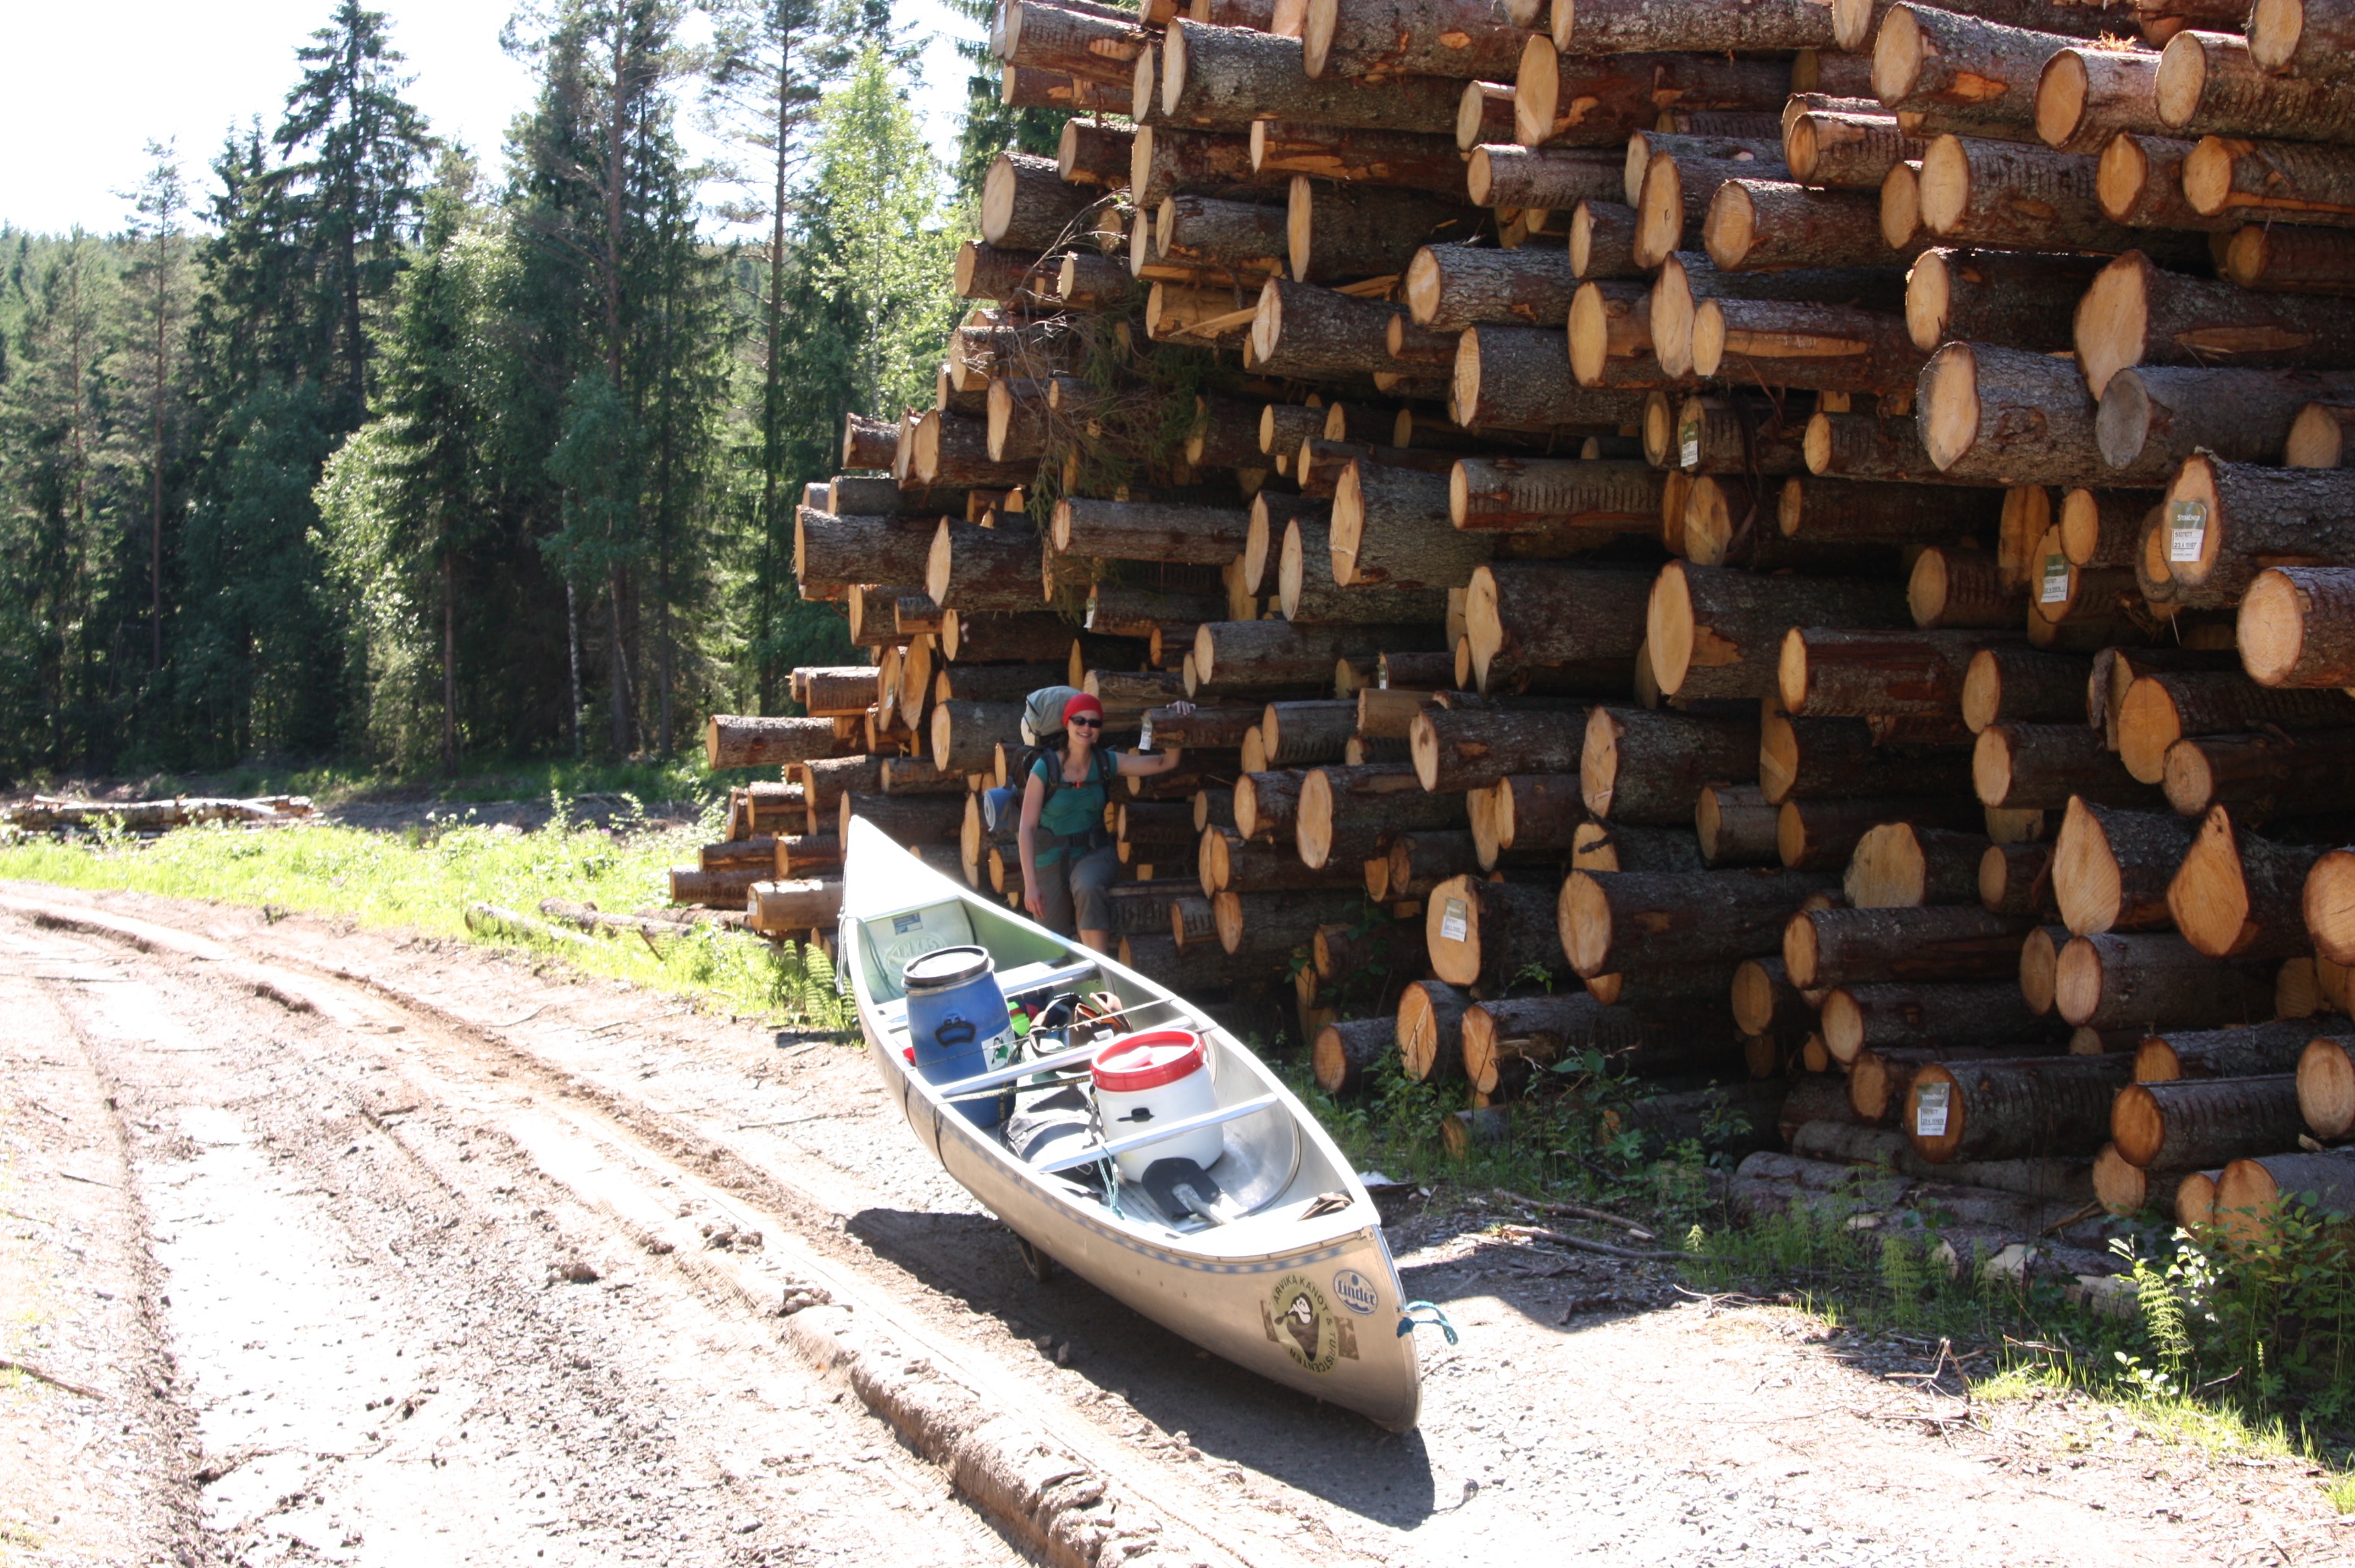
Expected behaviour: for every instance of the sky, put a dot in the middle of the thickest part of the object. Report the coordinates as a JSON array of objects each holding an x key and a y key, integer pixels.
[{"x": 89, "y": 89}]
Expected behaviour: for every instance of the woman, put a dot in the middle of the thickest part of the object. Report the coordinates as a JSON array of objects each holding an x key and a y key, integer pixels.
[{"x": 1068, "y": 859}]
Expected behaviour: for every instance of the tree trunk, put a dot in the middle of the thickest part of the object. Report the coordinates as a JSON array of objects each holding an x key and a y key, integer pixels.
[
  {"x": 2112, "y": 980},
  {"x": 965, "y": 735},
  {"x": 1538, "y": 812},
  {"x": 2162, "y": 707},
  {"x": 1430, "y": 1031},
  {"x": 1237, "y": 654},
  {"x": 1418, "y": 862},
  {"x": 2010, "y": 685},
  {"x": 1679, "y": 177},
  {"x": 951, "y": 449},
  {"x": 1963, "y": 588},
  {"x": 1516, "y": 377},
  {"x": 1739, "y": 436},
  {"x": 775, "y": 907},
  {"x": 2110, "y": 868},
  {"x": 2012, "y": 1109},
  {"x": 907, "y": 820},
  {"x": 2006, "y": 416},
  {"x": 2287, "y": 260},
  {"x": 1164, "y": 161},
  {"x": 1122, "y": 611},
  {"x": 829, "y": 549},
  {"x": 1302, "y": 734},
  {"x": 2237, "y": 896},
  {"x": 1756, "y": 223},
  {"x": 2266, "y": 775},
  {"x": 1077, "y": 40},
  {"x": 1457, "y": 750},
  {"x": 1450, "y": 287},
  {"x": 1878, "y": 1079},
  {"x": 1831, "y": 759},
  {"x": 1091, "y": 153},
  {"x": 983, "y": 638},
  {"x": 1552, "y": 179},
  {"x": 983, "y": 571},
  {"x": 1736, "y": 827},
  {"x": 1822, "y": 834},
  {"x": 1899, "y": 1015},
  {"x": 1942, "y": 71},
  {"x": 1308, "y": 595},
  {"x": 2228, "y": 521},
  {"x": 2017, "y": 298},
  {"x": 1205, "y": 231},
  {"x": 1615, "y": 847},
  {"x": 1513, "y": 494},
  {"x": 1647, "y": 765},
  {"x": 2140, "y": 183},
  {"x": 1267, "y": 803},
  {"x": 2137, "y": 314},
  {"x": 868, "y": 444},
  {"x": 1268, "y": 927},
  {"x": 1825, "y": 347},
  {"x": 1603, "y": 240},
  {"x": 1213, "y": 728},
  {"x": 1633, "y": 920},
  {"x": 1229, "y": 76},
  {"x": 2205, "y": 1122},
  {"x": 1026, "y": 205},
  {"x": 1546, "y": 615},
  {"x": 2007, "y": 195},
  {"x": 2039, "y": 767},
  {"x": 1823, "y": 948},
  {"x": 1484, "y": 115},
  {"x": 758, "y": 853},
  {"x": 1897, "y": 865},
  {"x": 1017, "y": 278},
  {"x": 2209, "y": 86},
  {"x": 2086, "y": 96},
  {"x": 1399, "y": 160},
  {"x": 1344, "y": 805},
  {"x": 1847, "y": 149},
  {"x": 1465, "y": 39},
  {"x": 1489, "y": 934},
  {"x": 1345, "y": 1055},
  {"x": 1339, "y": 233},
  {"x": 1149, "y": 530},
  {"x": 1587, "y": 103},
  {"x": 2249, "y": 1051},
  {"x": 1714, "y": 632},
  {"x": 2252, "y": 1195},
  {"x": 734, "y": 741},
  {"x": 1300, "y": 330},
  {"x": 995, "y": 682},
  {"x": 2154, "y": 417},
  {"x": 1828, "y": 673},
  {"x": 1870, "y": 448},
  {"x": 1389, "y": 529}
]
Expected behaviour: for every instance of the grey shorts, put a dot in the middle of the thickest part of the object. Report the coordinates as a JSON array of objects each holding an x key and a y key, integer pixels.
[{"x": 1064, "y": 882}]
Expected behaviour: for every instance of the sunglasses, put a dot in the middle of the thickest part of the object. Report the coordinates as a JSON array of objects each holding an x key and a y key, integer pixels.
[{"x": 1086, "y": 723}]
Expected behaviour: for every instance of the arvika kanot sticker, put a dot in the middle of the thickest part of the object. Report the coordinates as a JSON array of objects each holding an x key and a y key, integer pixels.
[{"x": 1296, "y": 1316}]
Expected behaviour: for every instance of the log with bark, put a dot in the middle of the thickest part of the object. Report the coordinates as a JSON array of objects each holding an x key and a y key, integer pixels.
[
  {"x": 1453, "y": 751},
  {"x": 2246, "y": 1052},
  {"x": 1828, "y": 947},
  {"x": 1228, "y": 77},
  {"x": 1825, "y": 759},
  {"x": 1026, "y": 205},
  {"x": 1843, "y": 148},
  {"x": 1942, "y": 71},
  {"x": 1520, "y": 379},
  {"x": 1308, "y": 594},
  {"x": 2239, "y": 896},
  {"x": 2193, "y": 1123},
  {"x": 1389, "y": 529},
  {"x": 868, "y": 444},
  {"x": 1824, "y": 672},
  {"x": 1147, "y": 530},
  {"x": 2208, "y": 85},
  {"x": 1532, "y": 813},
  {"x": 1608, "y": 921},
  {"x": 1336, "y": 233},
  {"x": 1352, "y": 805},
  {"x": 906, "y": 820},
  {"x": 2254, "y": 1196},
  {"x": 1714, "y": 632},
  {"x": 1469, "y": 41},
  {"x": 2010, "y": 196},
  {"x": 1818, "y": 834},
  {"x": 2007, "y": 684},
  {"x": 2111, "y": 867},
  {"x": 1647, "y": 765},
  {"x": 1402, "y": 160},
  {"x": 1345, "y": 1056},
  {"x": 736, "y": 741},
  {"x": 1753, "y": 223},
  {"x": 1897, "y": 1015},
  {"x": 1578, "y": 102},
  {"x": 2136, "y": 314},
  {"x": 2156, "y": 980},
  {"x": 1450, "y": 287},
  {"x": 2163, "y": 706},
  {"x": 2291, "y": 260},
  {"x": 1268, "y": 925},
  {"x": 1552, "y": 178},
  {"x": 1587, "y": 619},
  {"x": 1491, "y": 933},
  {"x": 1243, "y": 655},
  {"x": 2225, "y": 522},
  {"x": 2012, "y": 1108},
  {"x": 2139, "y": 182},
  {"x": 829, "y": 549},
  {"x": 774, "y": 908},
  {"x": 1680, "y": 177},
  {"x": 1430, "y": 1025},
  {"x": 2086, "y": 96},
  {"x": 1803, "y": 345},
  {"x": 1511, "y": 495},
  {"x": 1418, "y": 862},
  {"x": 2019, "y": 299},
  {"x": 2039, "y": 767},
  {"x": 2006, "y": 415},
  {"x": 983, "y": 570},
  {"x": 1598, "y": 28}
]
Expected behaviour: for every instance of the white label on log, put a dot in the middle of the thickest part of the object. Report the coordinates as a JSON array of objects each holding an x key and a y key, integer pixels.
[
  {"x": 1930, "y": 1109},
  {"x": 2056, "y": 579},
  {"x": 1453, "y": 924},
  {"x": 1688, "y": 445},
  {"x": 2187, "y": 529}
]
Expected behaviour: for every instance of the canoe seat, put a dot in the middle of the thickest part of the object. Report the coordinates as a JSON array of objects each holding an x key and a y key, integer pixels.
[{"x": 895, "y": 938}]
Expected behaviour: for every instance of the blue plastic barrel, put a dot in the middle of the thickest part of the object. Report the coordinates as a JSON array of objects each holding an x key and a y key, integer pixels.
[{"x": 956, "y": 1017}]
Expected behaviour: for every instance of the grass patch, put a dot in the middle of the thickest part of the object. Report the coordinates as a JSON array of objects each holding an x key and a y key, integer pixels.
[
  {"x": 477, "y": 779},
  {"x": 423, "y": 879}
]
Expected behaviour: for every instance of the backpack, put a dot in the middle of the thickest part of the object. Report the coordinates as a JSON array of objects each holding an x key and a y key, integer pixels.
[{"x": 1042, "y": 724}]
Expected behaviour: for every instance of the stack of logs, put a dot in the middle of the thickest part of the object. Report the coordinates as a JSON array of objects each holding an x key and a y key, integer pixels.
[{"x": 1798, "y": 547}]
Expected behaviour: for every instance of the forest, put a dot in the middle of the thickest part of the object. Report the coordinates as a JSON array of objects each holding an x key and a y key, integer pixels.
[{"x": 343, "y": 447}]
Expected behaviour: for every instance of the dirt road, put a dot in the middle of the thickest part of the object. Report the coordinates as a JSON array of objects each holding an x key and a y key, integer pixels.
[{"x": 325, "y": 1246}]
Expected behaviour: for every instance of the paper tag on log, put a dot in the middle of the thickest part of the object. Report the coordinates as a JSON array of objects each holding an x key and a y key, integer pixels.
[
  {"x": 2187, "y": 529},
  {"x": 1930, "y": 1109},
  {"x": 1453, "y": 924},
  {"x": 1688, "y": 445},
  {"x": 2056, "y": 580}
]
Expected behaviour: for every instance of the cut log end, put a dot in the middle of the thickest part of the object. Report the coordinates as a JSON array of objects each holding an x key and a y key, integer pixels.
[{"x": 1950, "y": 412}]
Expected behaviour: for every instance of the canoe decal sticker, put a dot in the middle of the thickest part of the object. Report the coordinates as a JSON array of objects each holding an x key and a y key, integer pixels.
[
  {"x": 1356, "y": 1291},
  {"x": 1302, "y": 1322}
]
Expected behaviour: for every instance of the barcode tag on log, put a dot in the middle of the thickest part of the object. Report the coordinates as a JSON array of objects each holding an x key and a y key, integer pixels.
[
  {"x": 1689, "y": 444},
  {"x": 1145, "y": 732},
  {"x": 1930, "y": 1109},
  {"x": 2056, "y": 580},
  {"x": 2187, "y": 529},
  {"x": 1453, "y": 924}
]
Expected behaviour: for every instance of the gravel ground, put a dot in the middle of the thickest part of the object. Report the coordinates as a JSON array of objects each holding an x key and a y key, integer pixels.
[{"x": 361, "y": 1301}]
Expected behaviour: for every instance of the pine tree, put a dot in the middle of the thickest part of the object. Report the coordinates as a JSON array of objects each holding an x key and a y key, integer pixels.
[{"x": 156, "y": 282}]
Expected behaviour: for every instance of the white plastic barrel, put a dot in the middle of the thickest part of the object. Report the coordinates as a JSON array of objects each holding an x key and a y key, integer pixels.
[{"x": 1153, "y": 1078}]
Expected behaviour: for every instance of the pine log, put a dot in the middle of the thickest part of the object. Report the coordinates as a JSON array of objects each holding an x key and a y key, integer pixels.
[
  {"x": 2136, "y": 315},
  {"x": 1489, "y": 934},
  {"x": 965, "y": 735},
  {"x": 1465, "y": 39},
  {"x": 1418, "y": 862},
  {"x": 2284, "y": 182},
  {"x": 2251, "y": 1051},
  {"x": 2113, "y": 980},
  {"x": 1823, "y": 835},
  {"x": 1345, "y": 806},
  {"x": 1026, "y": 205},
  {"x": 1760, "y": 223},
  {"x": 1553, "y": 178},
  {"x": 995, "y": 682},
  {"x": 1082, "y": 40},
  {"x": 1389, "y": 529},
  {"x": 1268, "y": 925},
  {"x": 907, "y": 820},
  {"x": 2139, "y": 182},
  {"x": 1455, "y": 752},
  {"x": 1822, "y": 948},
  {"x": 1248, "y": 237},
  {"x": 1805, "y": 345},
  {"x": 1825, "y": 672},
  {"x": 2006, "y": 415},
  {"x": 733, "y": 741},
  {"x": 1737, "y": 825},
  {"x": 1579, "y": 102},
  {"x": 868, "y": 444},
  {"x": 1742, "y": 436},
  {"x": 2011, "y": 1108},
  {"x": 2153, "y": 417},
  {"x": 1511, "y": 495},
  {"x": 2208, "y": 85},
  {"x": 1148, "y": 531},
  {"x": 1846, "y": 149},
  {"x": 846, "y": 549},
  {"x": 1589, "y": 618},
  {"x": 1712, "y": 632},
  {"x": 1598, "y": 28},
  {"x": 2017, "y": 298},
  {"x": 951, "y": 449},
  {"x": 2204, "y": 1121},
  {"x": 1271, "y": 518},
  {"x": 1516, "y": 377},
  {"x": 1615, "y": 847},
  {"x": 1235, "y": 656},
  {"x": 1900, "y": 205},
  {"x": 1533, "y": 811},
  {"x": 983, "y": 571},
  {"x": 2017, "y": 879},
  {"x": 1340, "y": 232},
  {"x": 2317, "y": 439},
  {"x": 1608, "y": 921},
  {"x": 2238, "y": 896},
  {"x": 758, "y": 853},
  {"x": 1267, "y": 804},
  {"x": 2086, "y": 95},
  {"x": 2041, "y": 767},
  {"x": 1302, "y": 330},
  {"x": 1678, "y": 181},
  {"x": 2268, "y": 773},
  {"x": 2007, "y": 684},
  {"x": 2228, "y": 521},
  {"x": 1866, "y": 447},
  {"x": 2110, "y": 868},
  {"x": 2125, "y": 1189},
  {"x": 1836, "y": 758},
  {"x": 1400, "y": 160},
  {"x": 1345, "y": 1056},
  {"x": 1943, "y": 71},
  {"x": 1897, "y": 865},
  {"x": 1450, "y": 287},
  {"x": 1688, "y": 278},
  {"x": 1602, "y": 240},
  {"x": 2162, "y": 707},
  {"x": 2010, "y": 196},
  {"x": 1647, "y": 765},
  {"x": 2326, "y": 1085},
  {"x": 2253, "y": 1195},
  {"x": 2290, "y": 259},
  {"x": 1955, "y": 588},
  {"x": 1308, "y": 595},
  {"x": 1229, "y": 76},
  {"x": 1898, "y": 1016},
  {"x": 777, "y": 907},
  {"x": 2307, "y": 39},
  {"x": 2295, "y": 627}
]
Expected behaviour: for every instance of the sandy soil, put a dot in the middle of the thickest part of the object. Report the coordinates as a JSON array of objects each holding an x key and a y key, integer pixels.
[{"x": 348, "y": 1271}]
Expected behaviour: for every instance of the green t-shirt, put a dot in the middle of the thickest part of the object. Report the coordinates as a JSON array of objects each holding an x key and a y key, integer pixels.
[{"x": 1071, "y": 809}]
